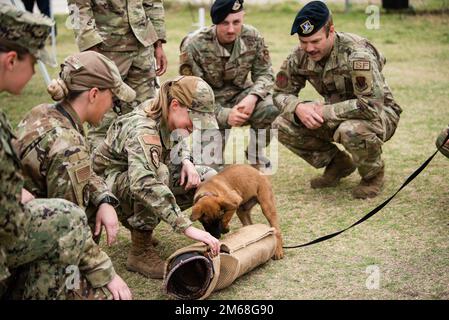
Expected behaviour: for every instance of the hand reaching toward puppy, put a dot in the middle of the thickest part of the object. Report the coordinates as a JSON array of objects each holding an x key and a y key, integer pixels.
[{"x": 201, "y": 235}]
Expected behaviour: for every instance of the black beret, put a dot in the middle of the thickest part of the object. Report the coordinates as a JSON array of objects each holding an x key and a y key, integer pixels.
[
  {"x": 311, "y": 18},
  {"x": 221, "y": 8}
]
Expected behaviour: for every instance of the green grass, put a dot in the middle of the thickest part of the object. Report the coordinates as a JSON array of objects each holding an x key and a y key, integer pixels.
[{"x": 408, "y": 240}]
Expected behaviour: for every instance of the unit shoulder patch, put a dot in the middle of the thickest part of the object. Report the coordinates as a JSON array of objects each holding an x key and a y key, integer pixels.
[
  {"x": 152, "y": 148},
  {"x": 185, "y": 70},
  {"x": 361, "y": 65},
  {"x": 155, "y": 156},
  {"x": 79, "y": 177},
  {"x": 282, "y": 80},
  {"x": 361, "y": 83},
  {"x": 82, "y": 174}
]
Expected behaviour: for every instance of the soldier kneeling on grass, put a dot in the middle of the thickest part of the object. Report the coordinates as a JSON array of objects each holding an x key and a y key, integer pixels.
[
  {"x": 149, "y": 168},
  {"x": 358, "y": 112}
]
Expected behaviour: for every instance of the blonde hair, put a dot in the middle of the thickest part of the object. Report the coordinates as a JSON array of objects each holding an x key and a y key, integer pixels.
[
  {"x": 181, "y": 88},
  {"x": 159, "y": 108}
]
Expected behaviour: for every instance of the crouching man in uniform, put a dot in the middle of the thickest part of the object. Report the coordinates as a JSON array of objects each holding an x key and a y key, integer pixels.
[{"x": 358, "y": 112}]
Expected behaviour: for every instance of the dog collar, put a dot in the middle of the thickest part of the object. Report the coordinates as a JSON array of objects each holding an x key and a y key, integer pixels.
[{"x": 202, "y": 195}]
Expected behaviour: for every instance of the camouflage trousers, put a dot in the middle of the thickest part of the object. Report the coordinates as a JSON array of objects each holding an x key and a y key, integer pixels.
[
  {"x": 261, "y": 119},
  {"x": 136, "y": 215},
  {"x": 363, "y": 139},
  {"x": 440, "y": 139},
  {"x": 56, "y": 238},
  {"x": 137, "y": 69}
]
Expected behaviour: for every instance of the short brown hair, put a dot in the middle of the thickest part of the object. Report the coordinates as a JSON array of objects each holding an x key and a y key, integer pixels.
[
  {"x": 327, "y": 26},
  {"x": 7, "y": 46}
]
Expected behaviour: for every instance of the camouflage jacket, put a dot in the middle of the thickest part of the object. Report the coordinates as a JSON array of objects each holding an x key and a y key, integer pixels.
[
  {"x": 13, "y": 219},
  {"x": 142, "y": 147},
  {"x": 55, "y": 157},
  {"x": 227, "y": 73},
  {"x": 117, "y": 25},
  {"x": 350, "y": 81}
]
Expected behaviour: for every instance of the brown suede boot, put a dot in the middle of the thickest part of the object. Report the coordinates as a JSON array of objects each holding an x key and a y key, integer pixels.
[
  {"x": 142, "y": 257},
  {"x": 369, "y": 188},
  {"x": 339, "y": 167}
]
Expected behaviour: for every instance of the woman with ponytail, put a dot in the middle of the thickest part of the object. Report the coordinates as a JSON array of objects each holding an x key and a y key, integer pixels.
[
  {"x": 51, "y": 143},
  {"x": 150, "y": 171},
  {"x": 42, "y": 241}
]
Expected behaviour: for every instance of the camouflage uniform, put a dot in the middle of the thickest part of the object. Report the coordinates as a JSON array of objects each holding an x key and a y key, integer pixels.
[
  {"x": 44, "y": 237},
  {"x": 55, "y": 158},
  {"x": 125, "y": 32},
  {"x": 359, "y": 111},
  {"x": 227, "y": 73},
  {"x": 39, "y": 240},
  {"x": 142, "y": 166}
]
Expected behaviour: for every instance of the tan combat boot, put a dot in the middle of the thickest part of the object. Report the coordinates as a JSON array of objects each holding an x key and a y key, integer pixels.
[
  {"x": 369, "y": 188},
  {"x": 339, "y": 167},
  {"x": 142, "y": 257}
]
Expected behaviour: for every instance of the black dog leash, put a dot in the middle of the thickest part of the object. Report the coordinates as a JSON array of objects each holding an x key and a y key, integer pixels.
[{"x": 379, "y": 207}]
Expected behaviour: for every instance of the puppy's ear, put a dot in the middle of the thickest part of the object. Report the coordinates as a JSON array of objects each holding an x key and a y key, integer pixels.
[
  {"x": 226, "y": 204},
  {"x": 196, "y": 212}
]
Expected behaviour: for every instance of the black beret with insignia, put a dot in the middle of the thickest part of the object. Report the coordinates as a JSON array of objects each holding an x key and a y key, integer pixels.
[
  {"x": 221, "y": 8},
  {"x": 311, "y": 18}
]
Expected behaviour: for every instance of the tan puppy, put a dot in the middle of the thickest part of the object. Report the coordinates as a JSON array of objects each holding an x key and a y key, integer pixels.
[{"x": 236, "y": 188}]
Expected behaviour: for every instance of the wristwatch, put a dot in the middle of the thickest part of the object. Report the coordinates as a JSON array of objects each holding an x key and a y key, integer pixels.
[{"x": 110, "y": 200}]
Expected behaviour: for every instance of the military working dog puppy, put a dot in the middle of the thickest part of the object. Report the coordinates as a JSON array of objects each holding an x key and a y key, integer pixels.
[{"x": 236, "y": 188}]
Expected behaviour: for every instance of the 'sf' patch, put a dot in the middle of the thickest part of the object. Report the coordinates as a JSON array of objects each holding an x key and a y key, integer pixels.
[{"x": 361, "y": 65}]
